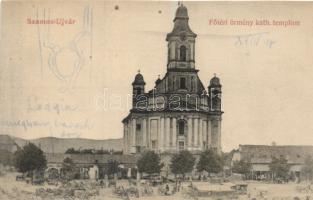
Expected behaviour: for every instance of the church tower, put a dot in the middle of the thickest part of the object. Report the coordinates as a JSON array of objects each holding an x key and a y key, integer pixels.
[
  {"x": 215, "y": 106},
  {"x": 138, "y": 87},
  {"x": 181, "y": 73},
  {"x": 178, "y": 113},
  {"x": 181, "y": 43}
]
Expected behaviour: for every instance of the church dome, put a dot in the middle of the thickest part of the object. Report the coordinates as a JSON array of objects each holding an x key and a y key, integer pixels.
[
  {"x": 139, "y": 80},
  {"x": 181, "y": 12},
  {"x": 215, "y": 81}
]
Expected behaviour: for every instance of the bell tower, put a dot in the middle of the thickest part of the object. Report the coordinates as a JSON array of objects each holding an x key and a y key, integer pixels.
[
  {"x": 215, "y": 92},
  {"x": 138, "y": 87},
  {"x": 215, "y": 99},
  {"x": 181, "y": 42}
]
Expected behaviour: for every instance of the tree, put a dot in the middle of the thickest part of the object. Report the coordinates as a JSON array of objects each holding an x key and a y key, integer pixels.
[
  {"x": 71, "y": 151},
  {"x": 242, "y": 167},
  {"x": 307, "y": 169},
  {"x": 210, "y": 162},
  {"x": 149, "y": 163},
  {"x": 182, "y": 163},
  {"x": 68, "y": 169},
  {"x": 279, "y": 167},
  {"x": 112, "y": 167},
  {"x": 29, "y": 159}
]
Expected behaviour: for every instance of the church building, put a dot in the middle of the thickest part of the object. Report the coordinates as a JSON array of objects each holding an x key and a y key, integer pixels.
[{"x": 178, "y": 113}]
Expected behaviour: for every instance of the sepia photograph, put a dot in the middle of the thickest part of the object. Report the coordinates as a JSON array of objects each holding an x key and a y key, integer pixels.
[{"x": 186, "y": 100}]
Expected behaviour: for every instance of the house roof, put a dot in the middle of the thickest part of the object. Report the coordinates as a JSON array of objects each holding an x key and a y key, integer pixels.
[
  {"x": 261, "y": 154},
  {"x": 6, "y": 139},
  {"x": 90, "y": 158}
]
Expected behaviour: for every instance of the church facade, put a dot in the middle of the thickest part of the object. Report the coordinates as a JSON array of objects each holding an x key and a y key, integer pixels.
[{"x": 179, "y": 113}]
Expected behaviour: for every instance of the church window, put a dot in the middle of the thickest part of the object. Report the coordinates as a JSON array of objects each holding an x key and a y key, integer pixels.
[
  {"x": 182, "y": 54},
  {"x": 181, "y": 127},
  {"x": 182, "y": 83},
  {"x": 181, "y": 145},
  {"x": 138, "y": 134},
  {"x": 138, "y": 127},
  {"x": 153, "y": 144}
]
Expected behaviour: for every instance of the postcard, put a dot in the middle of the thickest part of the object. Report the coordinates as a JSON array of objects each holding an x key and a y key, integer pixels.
[{"x": 156, "y": 100}]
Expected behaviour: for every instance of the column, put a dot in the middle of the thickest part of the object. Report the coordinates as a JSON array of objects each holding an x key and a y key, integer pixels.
[
  {"x": 129, "y": 138},
  {"x": 209, "y": 134},
  {"x": 219, "y": 147},
  {"x": 161, "y": 142},
  {"x": 174, "y": 133},
  {"x": 133, "y": 143},
  {"x": 125, "y": 139},
  {"x": 191, "y": 52},
  {"x": 189, "y": 133},
  {"x": 172, "y": 55},
  {"x": 144, "y": 132},
  {"x": 148, "y": 133},
  {"x": 200, "y": 135},
  {"x": 196, "y": 132},
  {"x": 205, "y": 133},
  {"x": 167, "y": 132}
]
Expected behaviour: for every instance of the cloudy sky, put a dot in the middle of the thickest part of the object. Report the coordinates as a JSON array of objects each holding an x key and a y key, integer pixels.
[{"x": 75, "y": 80}]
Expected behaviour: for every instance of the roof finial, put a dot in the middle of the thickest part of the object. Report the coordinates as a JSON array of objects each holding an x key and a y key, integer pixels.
[
  {"x": 138, "y": 71},
  {"x": 214, "y": 74},
  {"x": 158, "y": 76}
]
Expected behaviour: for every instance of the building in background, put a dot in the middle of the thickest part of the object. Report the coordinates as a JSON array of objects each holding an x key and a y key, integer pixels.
[
  {"x": 91, "y": 166},
  {"x": 178, "y": 113},
  {"x": 7, "y": 148},
  {"x": 7, "y": 144},
  {"x": 260, "y": 156}
]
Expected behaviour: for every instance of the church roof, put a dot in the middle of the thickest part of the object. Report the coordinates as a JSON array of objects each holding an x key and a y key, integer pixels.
[
  {"x": 181, "y": 12},
  {"x": 139, "y": 80},
  {"x": 181, "y": 26},
  {"x": 215, "y": 81}
]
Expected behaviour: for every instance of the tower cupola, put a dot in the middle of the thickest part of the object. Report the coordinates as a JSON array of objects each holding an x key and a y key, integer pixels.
[{"x": 139, "y": 79}]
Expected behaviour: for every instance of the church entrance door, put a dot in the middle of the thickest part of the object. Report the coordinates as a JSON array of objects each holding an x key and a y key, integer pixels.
[{"x": 181, "y": 145}]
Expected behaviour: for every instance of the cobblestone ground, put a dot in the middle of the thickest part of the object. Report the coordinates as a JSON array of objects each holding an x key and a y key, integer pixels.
[{"x": 10, "y": 189}]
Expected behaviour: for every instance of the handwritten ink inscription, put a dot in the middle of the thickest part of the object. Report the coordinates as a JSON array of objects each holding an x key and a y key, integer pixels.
[
  {"x": 254, "y": 40},
  {"x": 34, "y": 104}
]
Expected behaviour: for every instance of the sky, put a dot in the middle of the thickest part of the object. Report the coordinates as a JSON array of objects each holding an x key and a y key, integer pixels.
[{"x": 74, "y": 80}]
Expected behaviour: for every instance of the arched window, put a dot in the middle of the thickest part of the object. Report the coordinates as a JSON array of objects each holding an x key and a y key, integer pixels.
[
  {"x": 181, "y": 127},
  {"x": 138, "y": 91},
  {"x": 182, "y": 83},
  {"x": 182, "y": 55}
]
